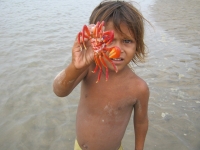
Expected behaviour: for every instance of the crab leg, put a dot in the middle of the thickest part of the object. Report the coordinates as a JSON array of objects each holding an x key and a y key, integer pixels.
[
  {"x": 79, "y": 39},
  {"x": 104, "y": 64},
  {"x": 108, "y": 37},
  {"x": 100, "y": 71},
  {"x": 98, "y": 30},
  {"x": 84, "y": 34},
  {"x": 98, "y": 65},
  {"x": 115, "y": 68}
]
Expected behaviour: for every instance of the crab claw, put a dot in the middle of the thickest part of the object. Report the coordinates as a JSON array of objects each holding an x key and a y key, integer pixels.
[{"x": 114, "y": 52}]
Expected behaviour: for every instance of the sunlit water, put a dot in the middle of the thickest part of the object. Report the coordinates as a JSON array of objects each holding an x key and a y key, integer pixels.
[{"x": 36, "y": 39}]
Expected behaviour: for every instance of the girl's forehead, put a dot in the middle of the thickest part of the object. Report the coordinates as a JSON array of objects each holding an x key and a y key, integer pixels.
[{"x": 123, "y": 27}]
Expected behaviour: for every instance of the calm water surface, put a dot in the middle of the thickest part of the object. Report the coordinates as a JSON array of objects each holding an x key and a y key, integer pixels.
[{"x": 36, "y": 39}]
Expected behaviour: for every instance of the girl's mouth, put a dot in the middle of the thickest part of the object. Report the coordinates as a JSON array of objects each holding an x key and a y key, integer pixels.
[{"x": 117, "y": 59}]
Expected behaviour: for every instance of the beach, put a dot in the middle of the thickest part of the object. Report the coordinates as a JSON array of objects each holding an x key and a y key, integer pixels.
[{"x": 36, "y": 39}]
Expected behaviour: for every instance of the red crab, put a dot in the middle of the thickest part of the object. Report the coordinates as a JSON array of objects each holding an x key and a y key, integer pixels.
[{"x": 99, "y": 40}]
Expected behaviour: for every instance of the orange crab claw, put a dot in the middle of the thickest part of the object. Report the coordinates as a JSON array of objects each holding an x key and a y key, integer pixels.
[{"x": 114, "y": 52}]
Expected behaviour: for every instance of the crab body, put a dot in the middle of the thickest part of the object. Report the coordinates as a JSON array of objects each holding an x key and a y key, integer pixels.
[{"x": 99, "y": 40}]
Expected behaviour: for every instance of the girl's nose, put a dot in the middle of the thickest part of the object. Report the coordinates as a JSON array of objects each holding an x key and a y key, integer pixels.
[
  {"x": 120, "y": 47},
  {"x": 122, "y": 50}
]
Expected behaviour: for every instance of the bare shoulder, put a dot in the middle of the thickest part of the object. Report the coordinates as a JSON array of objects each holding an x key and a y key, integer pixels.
[
  {"x": 142, "y": 91},
  {"x": 139, "y": 87},
  {"x": 142, "y": 86}
]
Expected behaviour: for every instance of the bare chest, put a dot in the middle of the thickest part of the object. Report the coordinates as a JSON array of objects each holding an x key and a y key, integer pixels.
[{"x": 108, "y": 98}]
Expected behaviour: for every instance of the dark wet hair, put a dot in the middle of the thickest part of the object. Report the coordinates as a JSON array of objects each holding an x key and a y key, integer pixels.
[{"x": 123, "y": 12}]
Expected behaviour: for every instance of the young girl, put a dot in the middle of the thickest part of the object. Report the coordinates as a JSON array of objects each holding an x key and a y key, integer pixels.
[{"x": 105, "y": 107}]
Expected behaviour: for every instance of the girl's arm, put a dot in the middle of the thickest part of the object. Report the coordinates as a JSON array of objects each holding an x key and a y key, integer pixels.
[
  {"x": 71, "y": 76},
  {"x": 141, "y": 116},
  {"x": 67, "y": 80}
]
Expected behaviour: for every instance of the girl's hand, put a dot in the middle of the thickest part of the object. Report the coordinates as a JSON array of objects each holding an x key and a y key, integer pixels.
[{"x": 82, "y": 58}]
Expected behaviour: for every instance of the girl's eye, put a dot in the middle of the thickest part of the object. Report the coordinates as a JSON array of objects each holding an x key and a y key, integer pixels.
[{"x": 127, "y": 41}]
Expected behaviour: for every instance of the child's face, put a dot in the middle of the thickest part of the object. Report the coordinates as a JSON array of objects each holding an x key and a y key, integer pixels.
[{"x": 125, "y": 42}]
